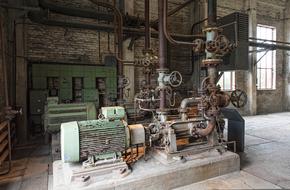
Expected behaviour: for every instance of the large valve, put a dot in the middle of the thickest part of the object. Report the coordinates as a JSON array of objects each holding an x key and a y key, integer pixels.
[
  {"x": 239, "y": 98},
  {"x": 175, "y": 79},
  {"x": 165, "y": 80}
]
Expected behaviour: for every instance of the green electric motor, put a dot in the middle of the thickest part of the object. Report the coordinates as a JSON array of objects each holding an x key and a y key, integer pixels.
[{"x": 105, "y": 138}]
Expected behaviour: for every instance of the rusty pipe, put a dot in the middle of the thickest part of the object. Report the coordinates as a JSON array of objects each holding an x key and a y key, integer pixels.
[
  {"x": 4, "y": 64},
  {"x": 162, "y": 51},
  {"x": 147, "y": 36},
  {"x": 166, "y": 33},
  {"x": 172, "y": 12},
  {"x": 210, "y": 127},
  {"x": 212, "y": 12},
  {"x": 147, "y": 24},
  {"x": 184, "y": 104}
]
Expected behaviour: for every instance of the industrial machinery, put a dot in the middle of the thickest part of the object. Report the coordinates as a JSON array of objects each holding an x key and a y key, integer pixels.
[
  {"x": 103, "y": 139},
  {"x": 55, "y": 113},
  {"x": 172, "y": 132},
  {"x": 71, "y": 84}
]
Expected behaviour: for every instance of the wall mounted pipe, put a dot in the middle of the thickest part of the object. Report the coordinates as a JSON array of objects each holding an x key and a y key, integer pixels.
[
  {"x": 77, "y": 12},
  {"x": 172, "y": 12},
  {"x": 120, "y": 68},
  {"x": 5, "y": 76},
  {"x": 41, "y": 17},
  {"x": 88, "y": 13},
  {"x": 166, "y": 33},
  {"x": 268, "y": 46},
  {"x": 147, "y": 50},
  {"x": 147, "y": 24}
]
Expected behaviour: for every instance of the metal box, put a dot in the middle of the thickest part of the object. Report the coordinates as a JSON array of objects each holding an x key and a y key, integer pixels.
[
  {"x": 236, "y": 128},
  {"x": 236, "y": 28}
]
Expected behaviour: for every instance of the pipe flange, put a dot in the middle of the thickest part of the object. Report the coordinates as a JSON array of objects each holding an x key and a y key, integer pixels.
[
  {"x": 165, "y": 70},
  {"x": 211, "y": 62},
  {"x": 212, "y": 112},
  {"x": 212, "y": 88},
  {"x": 212, "y": 29},
  {"x": 163, "y": 111}
]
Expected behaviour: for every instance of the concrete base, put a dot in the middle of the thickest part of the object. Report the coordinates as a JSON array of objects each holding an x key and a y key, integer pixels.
[{"x": 152, "y": 174}]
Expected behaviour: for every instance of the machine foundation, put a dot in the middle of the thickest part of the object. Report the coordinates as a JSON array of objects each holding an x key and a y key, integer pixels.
[{"x": 150, "y": 174}]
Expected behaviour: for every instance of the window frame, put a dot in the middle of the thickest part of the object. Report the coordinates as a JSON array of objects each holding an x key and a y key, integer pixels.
[{"x": 265, "y": 67}]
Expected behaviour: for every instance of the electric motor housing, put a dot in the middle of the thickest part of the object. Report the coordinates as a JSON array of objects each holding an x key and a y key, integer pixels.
[{"x": 102, "y": 139}]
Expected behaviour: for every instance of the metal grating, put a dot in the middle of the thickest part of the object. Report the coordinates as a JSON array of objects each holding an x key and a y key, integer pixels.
[{"x": 236, "y": 29}]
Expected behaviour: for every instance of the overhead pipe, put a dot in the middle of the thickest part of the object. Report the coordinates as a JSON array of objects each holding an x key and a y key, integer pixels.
[
  {"x": 88, "y": 13},
  {"x": 41, "y": 17},
  {"x": 270, "y": 46},
  {"x": 166, "y": 33},
  {"x": 172, "y": 12},
  {"x": 77, "y": 12}
]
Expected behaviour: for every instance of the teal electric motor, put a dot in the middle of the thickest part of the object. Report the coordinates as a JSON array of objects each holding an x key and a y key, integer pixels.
[{"x": 104, "y": 138}]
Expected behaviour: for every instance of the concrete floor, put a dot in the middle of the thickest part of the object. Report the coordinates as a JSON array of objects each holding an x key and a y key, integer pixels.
[{"x": 265, "y": 162}]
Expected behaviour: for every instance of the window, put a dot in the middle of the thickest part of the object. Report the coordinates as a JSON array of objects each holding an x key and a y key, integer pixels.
[
  {"x": 227, "y": 81},
  {"x": 266, "y": 59}
]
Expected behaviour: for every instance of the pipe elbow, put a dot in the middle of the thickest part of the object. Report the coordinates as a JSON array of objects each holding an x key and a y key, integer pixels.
[
  {"x": 185, "y": 102},
  {"x": 205, "y": 132}
]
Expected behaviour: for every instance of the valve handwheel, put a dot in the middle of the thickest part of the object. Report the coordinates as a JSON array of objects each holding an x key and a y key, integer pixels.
[
  {"x": 222, "y": 44},
  {"x": 239, "y": 98},
  {"x": 126, "y": 81},
  {"x": 175, "y": 79}
]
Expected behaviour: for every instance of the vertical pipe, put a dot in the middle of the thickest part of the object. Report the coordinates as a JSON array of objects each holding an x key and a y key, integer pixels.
[
  {"x": 120, "y": 72},
  {"x": 211, "y": 35},
  {"x": 147, "y": 25},
  {"x": 162, "y": 50},
  {"x": 120, "y": 55},
  {"x": 212, "y": 12},
  {"x": 147, "y": 37},
  {"x": 4, "y": 64}
]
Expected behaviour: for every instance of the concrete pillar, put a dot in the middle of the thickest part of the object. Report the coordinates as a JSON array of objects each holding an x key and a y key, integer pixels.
[
  {"x": 129, "y": 71},
  {"x": 21, "y": 82},
  {"x": 287, "y": 58},
  {"x": 251, "y": 75}
]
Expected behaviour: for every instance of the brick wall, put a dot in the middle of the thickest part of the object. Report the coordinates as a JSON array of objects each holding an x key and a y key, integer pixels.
[
  {"x": 79, "y": 45},
  {"x": 49, "y": 43}
]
